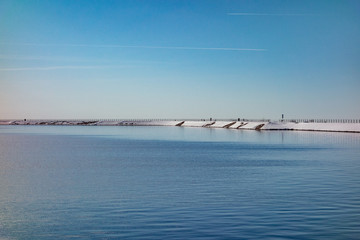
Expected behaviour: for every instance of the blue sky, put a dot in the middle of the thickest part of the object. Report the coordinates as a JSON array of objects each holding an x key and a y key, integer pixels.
[{"x": 179, "y": 59}]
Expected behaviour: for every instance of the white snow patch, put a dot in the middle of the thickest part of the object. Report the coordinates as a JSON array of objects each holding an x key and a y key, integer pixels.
[
  {"x": 196, "y": 123},
  {"x": 338, "y": 127},
  {"x": 252, "y": 125},
  {"x": 221, "y": 124},
  {"x": 149, "y": 123},
  {"x": 237, "y": 124}
]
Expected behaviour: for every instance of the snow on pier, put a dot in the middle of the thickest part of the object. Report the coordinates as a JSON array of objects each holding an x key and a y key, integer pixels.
[{"x": 305, "y": 125}]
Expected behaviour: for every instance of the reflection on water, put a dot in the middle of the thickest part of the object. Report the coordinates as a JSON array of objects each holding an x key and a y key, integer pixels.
[
  {"x": 191, "y": 134},
  {"x": 60, "y": 182}
]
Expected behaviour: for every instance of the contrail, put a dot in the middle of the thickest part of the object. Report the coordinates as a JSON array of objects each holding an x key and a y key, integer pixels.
[
  {"x": 268, "y": 14},
  {"x": 144, "y": 47},
  {"x": 57, "y": 67}
]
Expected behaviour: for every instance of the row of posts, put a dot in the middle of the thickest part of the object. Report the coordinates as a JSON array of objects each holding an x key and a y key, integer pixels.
[
  {"x": 209, "y": 119},
  {"x": 323, "y": 120}
]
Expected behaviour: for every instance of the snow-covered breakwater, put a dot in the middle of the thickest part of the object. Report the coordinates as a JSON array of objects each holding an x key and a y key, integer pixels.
[{"x": 351, "y": 126}]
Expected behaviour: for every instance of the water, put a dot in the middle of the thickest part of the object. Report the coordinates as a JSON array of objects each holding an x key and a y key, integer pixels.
[{"x": 78, "y": 182}]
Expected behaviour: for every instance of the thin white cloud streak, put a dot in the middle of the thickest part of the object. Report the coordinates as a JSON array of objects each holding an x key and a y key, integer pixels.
[
  {"x": 44, "y": 58},
  {"x": 144, "y": 47},
  {"x": 268, "y": 14},
  {"x": 72, "y": 59},
  {"x": 57, "y": 68}
]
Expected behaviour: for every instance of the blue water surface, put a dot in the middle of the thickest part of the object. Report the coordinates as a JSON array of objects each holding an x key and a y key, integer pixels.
[{"x": 93, "y": 182}]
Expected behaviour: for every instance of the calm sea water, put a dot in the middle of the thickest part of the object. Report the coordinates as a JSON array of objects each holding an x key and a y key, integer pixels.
[{"x": 67, "y": 182}]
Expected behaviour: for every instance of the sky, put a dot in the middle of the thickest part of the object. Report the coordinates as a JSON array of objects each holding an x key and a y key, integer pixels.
[{"x": 179, "y": 59}]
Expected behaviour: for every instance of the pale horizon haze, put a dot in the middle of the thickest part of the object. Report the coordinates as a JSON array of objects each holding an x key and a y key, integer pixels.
[{"x": 179, "y": 59}]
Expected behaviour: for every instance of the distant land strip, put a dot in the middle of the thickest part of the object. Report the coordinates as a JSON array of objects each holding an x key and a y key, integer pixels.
[{"x": 325, "y": 125}]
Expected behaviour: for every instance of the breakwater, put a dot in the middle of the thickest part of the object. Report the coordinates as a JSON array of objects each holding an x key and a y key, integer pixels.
[{"x": 330, "y": 125}]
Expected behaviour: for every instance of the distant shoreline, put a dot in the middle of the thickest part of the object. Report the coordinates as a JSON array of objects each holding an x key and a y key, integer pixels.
[{"x": 353, "y": 126}]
